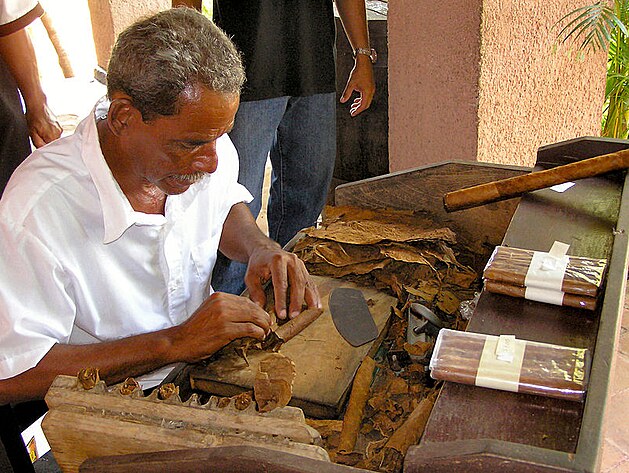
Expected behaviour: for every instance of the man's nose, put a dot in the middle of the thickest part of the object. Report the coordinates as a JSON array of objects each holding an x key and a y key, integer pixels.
[{"x": 206, "y": 160}]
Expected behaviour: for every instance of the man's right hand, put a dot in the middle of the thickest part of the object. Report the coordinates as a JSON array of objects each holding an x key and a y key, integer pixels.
[
  {"x": 220, "y": 319},
  {"x": 43, "y": 126}
]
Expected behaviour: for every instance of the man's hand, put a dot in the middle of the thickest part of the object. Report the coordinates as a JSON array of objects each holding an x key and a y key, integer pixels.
[
  {"x": 17, "y": 51},
  {"x": 354, "y": 19},
  {"x": 360, "y": 80},
  {"x": 220, "y": 319},
  {"x": 289, "y": 276},
  {"x": 243, "y": 241},
  {"x": 42, "y": 124}
]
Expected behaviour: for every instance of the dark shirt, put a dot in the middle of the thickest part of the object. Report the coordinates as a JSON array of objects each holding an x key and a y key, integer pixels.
[{"x": 287, "y": 45}]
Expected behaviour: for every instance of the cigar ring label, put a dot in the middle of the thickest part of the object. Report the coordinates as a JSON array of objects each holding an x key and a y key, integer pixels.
[
  {"x": 547, "y": 270},
  {"x": 497, "y": 371},
  {"x": 549, "y": 296}
]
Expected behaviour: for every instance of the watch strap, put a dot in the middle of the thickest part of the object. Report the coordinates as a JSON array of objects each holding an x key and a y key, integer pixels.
[{"x": 370, "y": 52}]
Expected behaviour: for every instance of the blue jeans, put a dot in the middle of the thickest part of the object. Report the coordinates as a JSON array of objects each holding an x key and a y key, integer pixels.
[{"x": 299, "y": 136}]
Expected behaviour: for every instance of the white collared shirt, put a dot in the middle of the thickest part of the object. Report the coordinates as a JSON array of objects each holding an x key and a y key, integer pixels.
[
  {"x": 11, "y": 10},
  {"x": 78, "y": 265}
]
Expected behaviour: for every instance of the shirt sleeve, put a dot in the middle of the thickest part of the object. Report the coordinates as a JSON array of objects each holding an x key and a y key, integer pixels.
[
  {"x": 235, "y": 192},
  {"x": 35, "y": 309},
  {"x": 17, "y": 14}
]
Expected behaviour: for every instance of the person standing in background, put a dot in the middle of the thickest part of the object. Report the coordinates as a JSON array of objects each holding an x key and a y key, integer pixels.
[
  {"x": 19, "y": 74},
  {"x": 288, "y": 106}
]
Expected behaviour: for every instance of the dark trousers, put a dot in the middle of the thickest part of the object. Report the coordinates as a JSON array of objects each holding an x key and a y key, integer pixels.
[{"x": 14, "y": 140}]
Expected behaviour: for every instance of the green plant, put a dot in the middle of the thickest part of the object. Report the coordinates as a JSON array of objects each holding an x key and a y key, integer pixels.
[{"x": 601, "y": 26}]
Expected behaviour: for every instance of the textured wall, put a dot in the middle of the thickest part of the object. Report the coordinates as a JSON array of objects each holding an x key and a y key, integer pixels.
[
  {"x": 110, "y": 17},
  {"x": 480, "y": 80},
  {"x": 532, "y": 94},
  {"x": 434, "y": 65}
]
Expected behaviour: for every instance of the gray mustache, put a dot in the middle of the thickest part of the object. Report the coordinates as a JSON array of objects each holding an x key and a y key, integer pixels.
[{"x": 191, "y": 178}]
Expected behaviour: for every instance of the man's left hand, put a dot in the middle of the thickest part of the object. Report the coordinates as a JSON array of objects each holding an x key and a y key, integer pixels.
[
  {"x": 360, "y": 80},
  {"x": 288, "y": 275}
]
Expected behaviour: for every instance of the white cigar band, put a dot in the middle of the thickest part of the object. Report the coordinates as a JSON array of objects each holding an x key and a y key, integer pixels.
[
  {"x": 547, "y": 270},
  {"x": 548, "y": 296},
  {"x": 500, "y": 363}
]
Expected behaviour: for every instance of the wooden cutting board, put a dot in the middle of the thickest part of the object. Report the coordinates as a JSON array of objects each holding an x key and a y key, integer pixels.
[{"x": 324, "y": 361}]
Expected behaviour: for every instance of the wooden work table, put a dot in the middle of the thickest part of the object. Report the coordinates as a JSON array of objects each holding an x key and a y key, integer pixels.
[
  {"x": 473, "y": 429},
  {"x": 478, "y": 429}
]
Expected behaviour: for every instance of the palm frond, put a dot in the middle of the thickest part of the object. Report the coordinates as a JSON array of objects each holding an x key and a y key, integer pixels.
[{"x": 596, "y": 23}]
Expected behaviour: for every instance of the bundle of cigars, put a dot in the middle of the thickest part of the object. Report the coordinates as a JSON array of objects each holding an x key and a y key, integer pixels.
[
  {"x": 510, "y": 364},
  {"x": 552, "y": 277}
]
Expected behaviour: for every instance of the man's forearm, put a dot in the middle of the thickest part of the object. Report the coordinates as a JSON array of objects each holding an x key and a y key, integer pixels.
[
  {"x": 241, "y": 235},
  {"x": 115, "y": 361},
  {"x": 17, "y": 51},
  {"x": 354, "y": 19}
]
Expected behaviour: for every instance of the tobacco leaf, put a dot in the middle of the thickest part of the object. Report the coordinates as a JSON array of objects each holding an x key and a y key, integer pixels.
[
  {"x": 273, "y": 384},
  {"x": 406, "y": 253},
  {"x": 339, "y": 254},
  {"x": 448, "y": 302},
  {"x": 323, "y": 269},
  {"x": 369, "y": 232},
  {"x": 365, "y": 226},
  {"x": 458, "y": 275},
  {"x": 330, "y": 431},
  {"x": 426, "y": 290},
  {"x": 418, "y": 348}
]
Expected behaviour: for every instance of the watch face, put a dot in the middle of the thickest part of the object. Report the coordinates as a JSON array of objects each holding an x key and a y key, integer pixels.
[{"x": 373, "y": 55}]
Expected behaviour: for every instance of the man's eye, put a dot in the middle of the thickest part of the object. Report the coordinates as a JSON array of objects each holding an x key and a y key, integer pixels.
[{"x": 190, "y": 145}]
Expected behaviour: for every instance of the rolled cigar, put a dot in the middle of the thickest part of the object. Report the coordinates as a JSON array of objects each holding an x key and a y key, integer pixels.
[
  {"x": 291, "y": 328},
  {"x": 412, "y": 429},
  {"x": 408, "y": 434},
  {"x": 356, "y": 405},
  {"x": 511, "y": 265},
  {"x": 516, "y": 186},
  {"x": 547, "y": 370},
  {"x": 568, "y": 300}
]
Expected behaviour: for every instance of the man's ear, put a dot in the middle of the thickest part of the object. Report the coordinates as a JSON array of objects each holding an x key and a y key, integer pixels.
[{"x": 121, "y": 115}]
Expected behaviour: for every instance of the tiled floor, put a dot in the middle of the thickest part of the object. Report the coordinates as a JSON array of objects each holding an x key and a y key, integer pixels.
[{"x": 616, "y": 447}]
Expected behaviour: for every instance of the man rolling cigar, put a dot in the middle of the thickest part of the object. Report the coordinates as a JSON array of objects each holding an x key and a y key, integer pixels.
[{"x": 109, "y": 236}]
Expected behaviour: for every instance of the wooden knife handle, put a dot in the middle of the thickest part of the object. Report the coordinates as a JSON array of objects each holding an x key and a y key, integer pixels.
[{"x": 516, "y": 186}]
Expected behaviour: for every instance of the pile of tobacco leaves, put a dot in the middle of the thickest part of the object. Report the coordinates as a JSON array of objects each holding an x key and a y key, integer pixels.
[{"x": 416, "y": 261}]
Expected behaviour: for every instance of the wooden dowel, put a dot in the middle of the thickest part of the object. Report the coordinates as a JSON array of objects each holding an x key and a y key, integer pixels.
[
  {"x": 516, "y": 186},
  {"x": 64, "y": 59}
]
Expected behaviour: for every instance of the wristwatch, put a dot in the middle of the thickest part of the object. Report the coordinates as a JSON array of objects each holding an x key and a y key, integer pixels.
[{"x": 373, "y": 55}]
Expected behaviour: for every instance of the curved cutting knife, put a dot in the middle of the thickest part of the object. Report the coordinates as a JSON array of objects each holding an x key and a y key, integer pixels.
[{"x": 351, "y": 316}]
